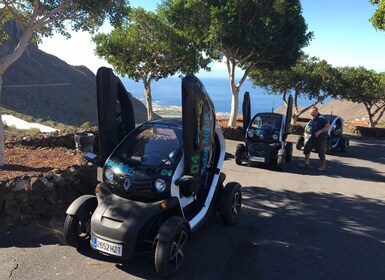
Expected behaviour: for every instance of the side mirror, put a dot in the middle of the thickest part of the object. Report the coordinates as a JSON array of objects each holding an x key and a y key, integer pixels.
[{"x": 186, "y": 184}]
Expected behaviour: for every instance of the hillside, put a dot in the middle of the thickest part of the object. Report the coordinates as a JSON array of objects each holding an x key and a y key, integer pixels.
[
  {"x": 349, "y": 111},
  {"x": 47, "y": 88}
]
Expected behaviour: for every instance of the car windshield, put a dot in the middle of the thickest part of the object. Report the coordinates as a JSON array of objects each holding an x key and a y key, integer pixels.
[
  {"x": 150, "y": 145},
  {"x": 268, "y": 122}
]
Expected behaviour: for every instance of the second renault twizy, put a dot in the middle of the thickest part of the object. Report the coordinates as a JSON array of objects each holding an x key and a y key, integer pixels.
[{"x": 265, "y": 137}]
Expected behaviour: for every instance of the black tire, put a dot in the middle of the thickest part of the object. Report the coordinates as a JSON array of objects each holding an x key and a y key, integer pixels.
[
  {"x": 299, "y": 143},
  {"x": 239, "y": 154},
  {"x": 289, "y": 151},
  {"x": 76, "y": 233},
  {"x": 169, "y": 256},
  {"x": 344, "y": 144},
  {"x": 231, "y": 203},
  {"x": 280, "y": 162},
  {"x": 328, "y": 148}
]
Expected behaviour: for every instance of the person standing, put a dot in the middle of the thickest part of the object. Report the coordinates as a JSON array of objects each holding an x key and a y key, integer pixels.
[{"x": 319, "y": 129}]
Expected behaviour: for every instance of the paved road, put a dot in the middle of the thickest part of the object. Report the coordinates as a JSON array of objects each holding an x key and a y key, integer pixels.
[{"x": 297, "y": 224}]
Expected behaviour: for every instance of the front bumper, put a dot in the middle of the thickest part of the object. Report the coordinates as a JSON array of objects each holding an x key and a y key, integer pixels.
[
  {"x": 258, "y": 151},
  {"x": 129, "y": 223}
]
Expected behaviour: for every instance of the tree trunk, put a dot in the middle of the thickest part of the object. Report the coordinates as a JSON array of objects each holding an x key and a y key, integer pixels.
[
  {"x": 235, "y": 89},
  {"x": 148, "y": 98},
  {"x": 234, "y": 104},
  {"x": 296, "y": 112},
  {"x": 5, "y": 62},
  {"x": 370, "y": 115},
  {"x": 2, "y": 156}
]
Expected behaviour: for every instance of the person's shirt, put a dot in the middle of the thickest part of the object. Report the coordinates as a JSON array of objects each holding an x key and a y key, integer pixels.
[{"x": 319, "y": 123}]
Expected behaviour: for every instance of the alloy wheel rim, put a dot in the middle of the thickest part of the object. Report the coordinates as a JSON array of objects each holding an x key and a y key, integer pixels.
[{"x": 178, "y": 250}]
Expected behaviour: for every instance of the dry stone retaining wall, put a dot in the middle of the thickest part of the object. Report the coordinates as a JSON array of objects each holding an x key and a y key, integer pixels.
[{"x": 25, "y": 199}]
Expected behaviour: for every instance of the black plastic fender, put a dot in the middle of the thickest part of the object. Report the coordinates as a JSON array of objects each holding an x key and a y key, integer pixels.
[
  {"x": 168, "y": 228},
  {"x": 82, "y": 206}
]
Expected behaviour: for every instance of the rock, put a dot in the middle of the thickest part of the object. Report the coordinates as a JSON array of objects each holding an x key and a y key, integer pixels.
[
  {"x": 21, "y": 185},
  {"x": 37, "y": 184}
]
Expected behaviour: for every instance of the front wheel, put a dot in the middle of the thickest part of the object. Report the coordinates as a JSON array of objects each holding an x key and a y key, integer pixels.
[
  {"x": 239, "y": 154},
  {"x": 289, "y": 151},
  {"x": 280, "y": 162},
  {"x": 76, "y": 232},
  {"x": 169, "y": 255},
  {"x": 231, "y": 203}
]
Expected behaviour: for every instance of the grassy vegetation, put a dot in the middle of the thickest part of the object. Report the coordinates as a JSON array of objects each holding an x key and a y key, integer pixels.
[{"x": 10, "y": 131}]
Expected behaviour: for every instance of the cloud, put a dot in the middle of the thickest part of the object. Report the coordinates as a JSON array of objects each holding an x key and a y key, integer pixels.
[{"x": 77, "y": 50}]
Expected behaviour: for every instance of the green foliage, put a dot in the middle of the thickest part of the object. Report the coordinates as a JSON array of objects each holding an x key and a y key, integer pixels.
[
  {"x": 48, "y": 17},
  {"x": 378, "y": 18},
  {"x": 310, "y": 77},
  {"x": 364, "y": 86},
  {"x": 250, "y": 34},
  {"x": 147, "y": 48},
  {"x": 33, "y": 131},
  {"x": 360, "y": 85},
  {"x": 86, "y": 125},
  {"x": 265, "y": 33}
]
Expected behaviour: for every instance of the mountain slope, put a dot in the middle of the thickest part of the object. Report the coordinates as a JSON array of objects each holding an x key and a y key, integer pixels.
[{"x": 47, "y": 88}]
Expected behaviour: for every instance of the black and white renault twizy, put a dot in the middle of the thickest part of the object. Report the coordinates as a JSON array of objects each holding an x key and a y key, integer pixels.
[
  {"x": 265, "y": 137},
  {"x": 335, "y": 140},
  {"x": 160, "y": 181}
]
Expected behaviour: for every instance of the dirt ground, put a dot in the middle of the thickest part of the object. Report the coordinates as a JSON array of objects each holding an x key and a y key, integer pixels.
[{"x": 23, "y": 161}]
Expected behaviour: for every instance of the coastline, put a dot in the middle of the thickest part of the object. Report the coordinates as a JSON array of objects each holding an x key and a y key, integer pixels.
[{"x": 347, "y": 110}]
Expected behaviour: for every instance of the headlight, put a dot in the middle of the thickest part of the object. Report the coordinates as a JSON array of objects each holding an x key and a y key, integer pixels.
[
  {"x": 250, "y": 133},
  {"x": 160, "y": 185},
  {"x": 275, "y": 136},
  {"x": 108, "y": 174}
]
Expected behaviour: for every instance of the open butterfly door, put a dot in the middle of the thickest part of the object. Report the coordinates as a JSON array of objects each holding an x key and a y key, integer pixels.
[
  {"x": 246, "y": 111},
  {"x": 115, "y": 111},
  {"x": 198, "y": 115},
  {"x": 289, "y": 113}
]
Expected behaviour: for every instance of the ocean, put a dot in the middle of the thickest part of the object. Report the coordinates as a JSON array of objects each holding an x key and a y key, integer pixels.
[{"x": 167, "y": 92}]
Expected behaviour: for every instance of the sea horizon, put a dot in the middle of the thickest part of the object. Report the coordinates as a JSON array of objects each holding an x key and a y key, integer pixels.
[{"x": 167, "y": 93}]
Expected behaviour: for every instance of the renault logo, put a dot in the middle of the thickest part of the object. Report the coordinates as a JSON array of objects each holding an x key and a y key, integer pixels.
[{"x": 126, "y": 183}]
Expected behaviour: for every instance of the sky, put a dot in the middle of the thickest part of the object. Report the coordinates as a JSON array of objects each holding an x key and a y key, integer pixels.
[{"x": 343, "y": 36}]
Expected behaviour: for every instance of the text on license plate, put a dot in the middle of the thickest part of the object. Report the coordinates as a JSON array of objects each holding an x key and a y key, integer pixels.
[
  {"x": 107, "y": 247},
  {"x": 257, "y": 159}
]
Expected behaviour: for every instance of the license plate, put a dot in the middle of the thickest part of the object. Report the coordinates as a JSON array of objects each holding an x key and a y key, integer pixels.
[
  {"x": 257, "y": 159},
  {"x": 107, "y": 247}
]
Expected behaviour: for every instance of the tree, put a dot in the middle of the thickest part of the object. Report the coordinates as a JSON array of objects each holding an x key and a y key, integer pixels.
[
  {"x": 367, "y": 87},
  {"x": 245, "y": 33},
  {"x": 39, "y": 19},
  {"x": 147, "y": 48},
  {"x": 309, "y": 78},
  {"x": 378, "y": 18}
]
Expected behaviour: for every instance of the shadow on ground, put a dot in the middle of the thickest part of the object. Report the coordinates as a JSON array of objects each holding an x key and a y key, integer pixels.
[{"x": 280, "y": 235}]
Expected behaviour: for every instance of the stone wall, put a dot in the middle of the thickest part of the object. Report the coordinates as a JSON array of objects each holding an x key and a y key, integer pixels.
[{"x": 25, "y": 199}]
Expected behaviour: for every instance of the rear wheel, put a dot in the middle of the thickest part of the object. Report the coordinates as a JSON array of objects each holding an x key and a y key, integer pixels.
[
  {"x": 328, "y": 148},
  {"x": 231, "y": 203},
  {"x": 169, "y": 255},
  {"x": 299, "y": 143},
  {"x": 344, "y": 144},
  {"x": 239, "y": 154},
  {"x": 76, "y": 232}
]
